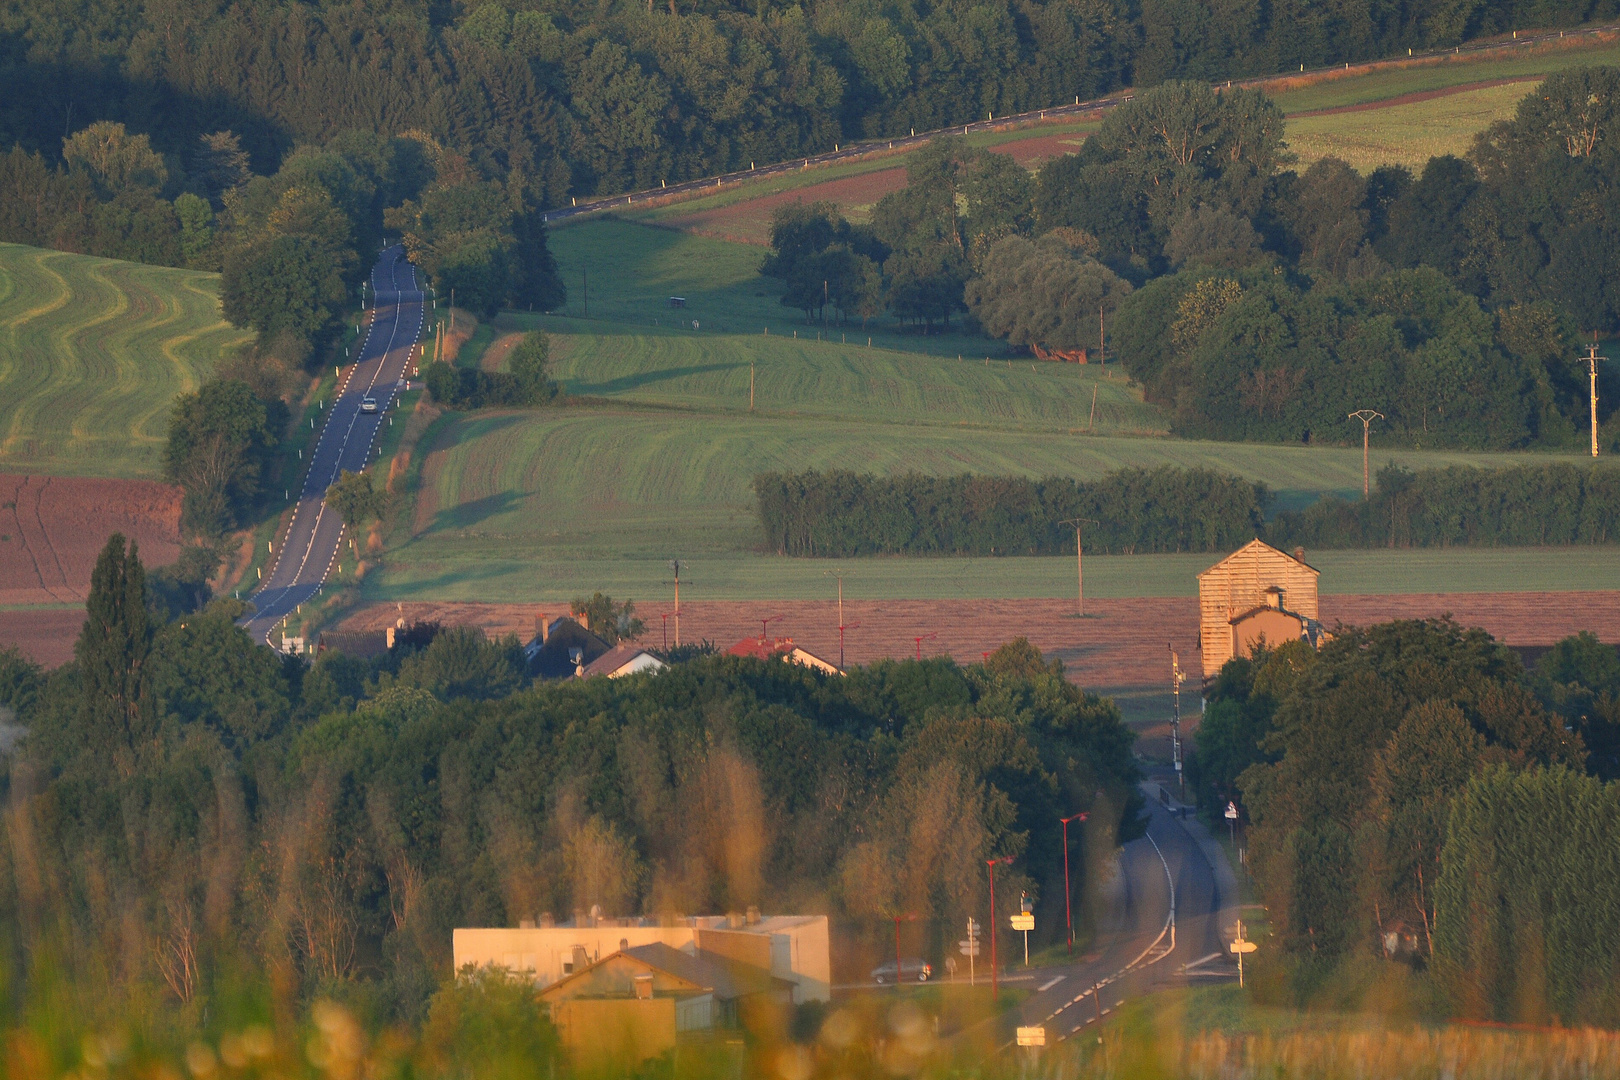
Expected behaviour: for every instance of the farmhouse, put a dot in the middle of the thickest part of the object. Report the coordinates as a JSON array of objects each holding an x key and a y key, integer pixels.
[
  {"x": 621, "y": 660},
  {"x": 561, "y": 647},
  {"x": 643, "y": 1000},
  {"x": 763, "y": 648},
  {"x": 1256, "y": 593}
]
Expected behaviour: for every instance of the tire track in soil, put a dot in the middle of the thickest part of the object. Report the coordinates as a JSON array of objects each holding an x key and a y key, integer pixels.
[
  {"x": 22, "y": 535},
  {"x": 45, "y": 532}
]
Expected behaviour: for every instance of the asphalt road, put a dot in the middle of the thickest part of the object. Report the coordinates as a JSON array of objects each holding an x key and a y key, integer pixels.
[
  {"x": 1173, "y": 898},
  {"x": 305, "y": 555}
]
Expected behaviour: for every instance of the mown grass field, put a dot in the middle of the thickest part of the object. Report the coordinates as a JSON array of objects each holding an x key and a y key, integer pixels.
[
  {"x": 1407, "y": 134},
  {"x": 517, "y": 506},
  {"x": 92, "y": 353}
]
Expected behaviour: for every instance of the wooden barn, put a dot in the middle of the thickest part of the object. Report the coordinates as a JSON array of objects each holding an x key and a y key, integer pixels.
[{"x": 1255, "y": 592}]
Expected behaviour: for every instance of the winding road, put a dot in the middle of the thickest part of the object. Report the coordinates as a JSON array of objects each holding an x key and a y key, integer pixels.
[
  {"x": 305, "y": 555},
  {"x": 1170, "y": 905}
]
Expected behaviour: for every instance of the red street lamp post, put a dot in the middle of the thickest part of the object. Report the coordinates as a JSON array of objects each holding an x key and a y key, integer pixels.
[
  {"x": 1068, "y": 910},
  {"x": 995, "y": 976}
]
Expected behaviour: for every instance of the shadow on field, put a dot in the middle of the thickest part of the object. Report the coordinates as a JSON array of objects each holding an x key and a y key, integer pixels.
[
  {"x": 465, "y": 515},
  {"x": 644, "y": 379}
]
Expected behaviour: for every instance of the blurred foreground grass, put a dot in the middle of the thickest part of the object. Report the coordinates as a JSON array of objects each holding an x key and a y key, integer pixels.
[{"x": 492, "y": 1027}]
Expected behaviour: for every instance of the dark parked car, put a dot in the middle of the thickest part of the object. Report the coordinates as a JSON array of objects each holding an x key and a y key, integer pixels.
[{"x": 911, "y": 970}]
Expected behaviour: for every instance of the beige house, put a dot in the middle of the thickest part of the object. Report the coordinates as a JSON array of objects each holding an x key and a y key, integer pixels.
[
  {"x": 642, "y": 1001},
  {"x": 793, "y": 948},
  {"x": 1256, "y": 592}
]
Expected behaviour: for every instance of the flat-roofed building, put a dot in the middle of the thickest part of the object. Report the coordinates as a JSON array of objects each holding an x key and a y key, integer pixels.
[{"x": 794, "y": 948}]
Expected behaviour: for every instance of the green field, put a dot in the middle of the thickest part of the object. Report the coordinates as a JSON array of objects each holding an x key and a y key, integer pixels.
[
  {"x": 1404, "y": 134},
  {"x": 92, "y": 353}
]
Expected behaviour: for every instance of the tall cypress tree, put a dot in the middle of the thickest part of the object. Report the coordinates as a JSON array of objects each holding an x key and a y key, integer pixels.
[{"x": 113, "y": 650}]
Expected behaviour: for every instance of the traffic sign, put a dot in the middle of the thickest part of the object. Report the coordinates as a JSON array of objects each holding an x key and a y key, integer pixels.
[
  {"x": 968, "y": 948},
  {"x": 1231, "y": 811},
  {"x": 1023, "y": 922},
  {"x": 1031, "y": 1036}
]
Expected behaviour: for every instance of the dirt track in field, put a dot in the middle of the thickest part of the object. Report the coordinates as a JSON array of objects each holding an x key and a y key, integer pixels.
[
  {"x": 51, "y": 530},
  {"x": 749, "y": 222},
  {"x": 1417, "y": 96}
]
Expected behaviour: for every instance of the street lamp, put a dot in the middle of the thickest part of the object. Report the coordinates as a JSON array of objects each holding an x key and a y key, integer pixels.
[
  {"x": 1068, "y": 911},
  {"x": 995, "y": 976}
]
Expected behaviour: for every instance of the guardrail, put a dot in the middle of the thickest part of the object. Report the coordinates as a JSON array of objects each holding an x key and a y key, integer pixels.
[{"x": 675, "y": 192}]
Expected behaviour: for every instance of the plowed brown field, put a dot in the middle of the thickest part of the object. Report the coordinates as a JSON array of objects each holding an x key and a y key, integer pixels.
[
  {"x": 1120, "y": 647},
  {"x": 51, "y": 530}
]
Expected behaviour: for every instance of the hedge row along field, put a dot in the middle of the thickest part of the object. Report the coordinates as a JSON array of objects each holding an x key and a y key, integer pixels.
[
  {"x": 92, "y": 354},
  {"x": 1138, "y": 511}
]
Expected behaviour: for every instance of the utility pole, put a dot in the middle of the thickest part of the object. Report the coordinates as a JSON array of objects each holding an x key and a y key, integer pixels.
[
  {"x": 1079, "y": 563},
  {"x": 675, "y": 565},
  {"x": 1176, "y": 679},
  {"x": 750, "y": 386},
  {"x": 585, "y": 286},
  {"x": 1366, "y": 416},
  {"x": 1592, "y": 359}
]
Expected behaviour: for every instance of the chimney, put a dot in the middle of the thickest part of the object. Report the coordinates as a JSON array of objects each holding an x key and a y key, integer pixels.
[
  {"x": 390, "y": 637},
  {"x": 644, "y": 989},
  {"x": 624, "y": 943},
  {"x": 525, "y": 924},
  {"x": 753, "y": 914},
  {"x": 734, "y": 920},
  {"x": 1274, "y": 598},
  {"x": 584, "y": 619},
  {"x": 540, "y": 623},
  {"x": 581, "y": 960},
  {"x": 1299, "y": 554},
  {"x": 546, "y": 921}
]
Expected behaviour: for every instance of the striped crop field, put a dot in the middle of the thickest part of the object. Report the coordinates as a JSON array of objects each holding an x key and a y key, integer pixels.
[{"x": 92, "y": 353}]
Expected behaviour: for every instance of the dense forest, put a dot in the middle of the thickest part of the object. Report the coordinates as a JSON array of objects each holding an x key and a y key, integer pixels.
[
  {"x": 185, "y": 793},
  {"x": 1140, "y": 511},
  {"x": 1255, "y": 301},
  {"x": 1414, "y": 794}
]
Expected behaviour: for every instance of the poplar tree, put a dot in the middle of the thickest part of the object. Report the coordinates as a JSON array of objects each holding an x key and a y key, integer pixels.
[{"x": 113, "y": 649}]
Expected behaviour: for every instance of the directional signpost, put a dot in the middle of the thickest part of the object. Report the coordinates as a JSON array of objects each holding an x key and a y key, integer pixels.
[
  {"x": 969, "y": 946},
  {"x": 1240, "y": 947},
  {"x": 1032, "y": 1036},
  {"x": 1026, "y": 922}
]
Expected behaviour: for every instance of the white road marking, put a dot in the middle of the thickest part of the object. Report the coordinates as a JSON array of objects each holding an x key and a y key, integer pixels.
[{"x": 1051, "y": 984}]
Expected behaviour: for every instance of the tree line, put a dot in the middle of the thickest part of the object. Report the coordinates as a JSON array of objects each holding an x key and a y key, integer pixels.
[
  {"x": 1130, "y": 511},
  {"x": 1251, "y": 300},
  {"x": 323, "y": 827},
  {"x": 1426, "y": 817},
  {"x": 587, "y": 98},
  {"x": 839, "y": 513}
]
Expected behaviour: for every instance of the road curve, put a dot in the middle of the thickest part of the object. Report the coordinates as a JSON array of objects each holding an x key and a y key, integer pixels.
[
  {"x": 1170, "y": 902},
  {"x": 306, "y": 553}
]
